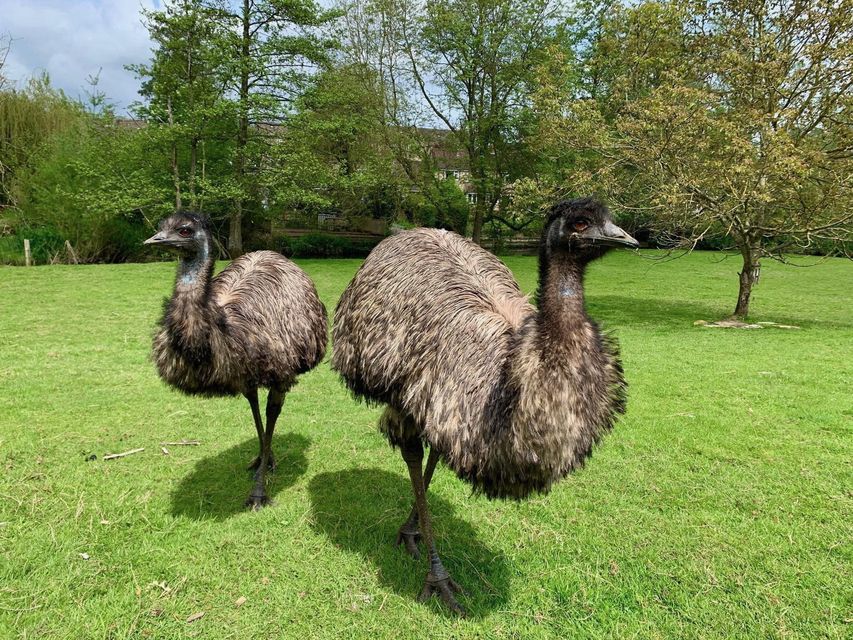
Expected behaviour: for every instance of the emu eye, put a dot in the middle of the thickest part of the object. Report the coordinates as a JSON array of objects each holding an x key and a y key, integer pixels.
[
  {"x": 185, "y": 232},
  {"x": 580, "y": 225}
]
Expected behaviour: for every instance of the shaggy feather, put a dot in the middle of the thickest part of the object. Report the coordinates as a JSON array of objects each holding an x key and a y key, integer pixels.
[
  {"x": 259, "y": 323},
  {"x": 513, "y": 397}
]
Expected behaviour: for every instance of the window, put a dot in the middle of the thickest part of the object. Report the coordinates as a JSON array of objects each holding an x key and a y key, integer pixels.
[{"x": 472, "y": 197}]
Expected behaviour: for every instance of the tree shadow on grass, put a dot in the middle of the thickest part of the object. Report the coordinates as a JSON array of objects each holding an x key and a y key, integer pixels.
[
  {"x": 614, "y": 311},
  {"x": 624, "y": 310},
  {"x": 218, "y": 486},
  {"x": 361, "y": 510}
]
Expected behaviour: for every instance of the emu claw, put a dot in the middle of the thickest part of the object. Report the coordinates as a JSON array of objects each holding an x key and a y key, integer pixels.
[
  {"x": 256, "y": 503},
  {"x": 256, "y": 463},
  {"x": 409, "y": 536},
  {"x": 444, "y": 588}
]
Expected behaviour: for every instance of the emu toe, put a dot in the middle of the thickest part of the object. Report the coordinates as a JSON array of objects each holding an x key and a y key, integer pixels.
[
  {"x": 256, "y": 463},
  {"x": 444, "y": 589},
  {"x": 257, "y": 502},
  {"x": 409, "y": 536}
]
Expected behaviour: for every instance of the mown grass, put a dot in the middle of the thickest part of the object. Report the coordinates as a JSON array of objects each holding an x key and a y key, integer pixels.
[{"x": 719, "y": 508}]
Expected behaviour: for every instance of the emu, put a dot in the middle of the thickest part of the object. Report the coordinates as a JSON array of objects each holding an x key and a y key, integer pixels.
[
  {"x": 259, "y": 323},
  {"x": 511, "y": 397}
]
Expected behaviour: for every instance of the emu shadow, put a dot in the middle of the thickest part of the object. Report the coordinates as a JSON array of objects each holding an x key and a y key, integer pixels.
[
  {"x": 218, "y": 486},
  {"x": 361, "y": 510}
]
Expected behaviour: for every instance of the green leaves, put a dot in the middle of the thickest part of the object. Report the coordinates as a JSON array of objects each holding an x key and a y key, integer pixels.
[{"x": 724, "y": 117}]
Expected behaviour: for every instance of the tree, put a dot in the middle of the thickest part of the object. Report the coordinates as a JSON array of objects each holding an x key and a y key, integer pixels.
[
  {"x": 5, "y": 46},
  {"x": 745, "y": 136},
  {"x": 273, "y": 46},
  {"x": 372, "y": 39},
  {"x": 470, "y": 63},
  {"x": 444, "y": 207},
  {"x": 96, "y": 185},
  {"x": 184, "y": 87},
  {"x": 611, "y": 56},
  {"x": 29, "y": 118},
  {"x": 332, "y": 154},
  {"x": 479, "y": 55}
]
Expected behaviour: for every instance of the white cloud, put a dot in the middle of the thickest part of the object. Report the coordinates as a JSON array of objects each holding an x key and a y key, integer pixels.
[{"x": 72, "y": 39}]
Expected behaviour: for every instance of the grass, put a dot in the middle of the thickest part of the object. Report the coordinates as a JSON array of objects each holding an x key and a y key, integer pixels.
[{"x": 720, "y": 507}]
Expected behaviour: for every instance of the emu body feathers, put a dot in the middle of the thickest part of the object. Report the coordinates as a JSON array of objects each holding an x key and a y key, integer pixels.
[
  {"x": 259, "y": 323},
  {"x": 513, "y": 397}
]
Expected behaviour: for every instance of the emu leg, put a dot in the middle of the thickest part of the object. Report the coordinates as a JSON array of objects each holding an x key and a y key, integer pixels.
[
  {"x": 438, "y": 580},
  {"x": 258, "y": 498},
  {"x": 252, "y": 397},
  {"x": 409, "y": 534}
]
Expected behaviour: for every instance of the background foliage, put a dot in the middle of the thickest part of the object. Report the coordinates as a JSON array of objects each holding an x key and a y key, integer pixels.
[{"x": 717, "y": 123}]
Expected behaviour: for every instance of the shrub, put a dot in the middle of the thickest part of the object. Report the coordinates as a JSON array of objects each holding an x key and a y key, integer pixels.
[
  {"x": 446, "y": 209},
  {"x": 45, "y": 243},
  {"x": 319, "y": 245},
  {"x": 121, "y": 239},
  {"x": 324, "y": 245}
]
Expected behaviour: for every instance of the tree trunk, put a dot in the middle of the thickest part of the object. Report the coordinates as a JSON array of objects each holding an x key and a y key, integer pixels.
[
  {"x": 176, "y": 173},
  {"x": 477, "y": 228},
  {"x": 748, "y": 278},
  {"x": 193, "y": 163},
  {"x": 235, "y": 230},
  {"x": 235, "y": 223},
  {"x": 478, "y": 179},
  {"x": 203, "y": 174}
]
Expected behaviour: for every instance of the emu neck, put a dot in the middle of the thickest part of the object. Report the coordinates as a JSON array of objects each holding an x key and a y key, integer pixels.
[
  {"x": 561, "y": 299},
  {"x": 188, "y": 318},
  {"x": 194, "y": 274}
]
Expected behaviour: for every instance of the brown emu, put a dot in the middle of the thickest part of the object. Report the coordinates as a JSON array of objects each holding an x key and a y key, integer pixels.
[
  {"x": 510, "y": 396},
  {"x": 259, "y": 323}
]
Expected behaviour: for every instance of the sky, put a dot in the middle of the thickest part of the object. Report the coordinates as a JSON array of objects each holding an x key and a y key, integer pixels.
[{"x": 73, "y": 39}]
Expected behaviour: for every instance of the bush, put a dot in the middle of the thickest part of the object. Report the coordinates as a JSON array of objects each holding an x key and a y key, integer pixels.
[
  {"x": 121, "y": 239},
  {"x": 88, "y": 185},
  {"x": 45, "y": 243},
  {"x": 447, "y": 209},
  {"x": 324, "y": 245},
  {"x": 320, "y": 245}
]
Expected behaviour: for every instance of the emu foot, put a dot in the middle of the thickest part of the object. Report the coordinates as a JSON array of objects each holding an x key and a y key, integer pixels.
[
  {"x": 444, "y": 588},
  {"x": 257, "y": 502},
  {"x": 409, "y": 536},
  {"x": 256, "y": 463}
]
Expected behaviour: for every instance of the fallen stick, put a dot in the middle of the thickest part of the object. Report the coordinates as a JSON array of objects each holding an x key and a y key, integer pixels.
[
  {"x": 182, "y": 443},
  {"x": 111, "y": 456}
]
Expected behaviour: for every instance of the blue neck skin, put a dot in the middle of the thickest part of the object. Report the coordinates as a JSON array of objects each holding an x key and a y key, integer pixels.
[
  {"x": 190, "y": 269},
  {"x": 561, "y": 293},
  {"x": 568, "y": 289},
  {"x": 568, "y": 278}
]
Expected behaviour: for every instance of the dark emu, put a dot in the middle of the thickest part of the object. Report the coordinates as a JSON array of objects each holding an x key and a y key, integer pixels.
[
  {"x": 511, "y": 397},
  {"x": 259, "y": 323}
]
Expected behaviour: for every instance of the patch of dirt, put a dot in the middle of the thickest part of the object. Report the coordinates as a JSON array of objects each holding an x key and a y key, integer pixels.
[{"x": 738, "y": 324}]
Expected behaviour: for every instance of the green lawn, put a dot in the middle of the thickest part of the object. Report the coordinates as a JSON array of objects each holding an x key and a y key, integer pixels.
[{"x": 720, "y": 507}]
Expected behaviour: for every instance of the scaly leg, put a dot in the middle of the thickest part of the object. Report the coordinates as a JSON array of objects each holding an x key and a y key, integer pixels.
[
  {"x": 258, "y": 498},
  {"x": 438, "y": 580},
  {"x": 409, "y": 534},
  {"x": 252, "y": 397}
]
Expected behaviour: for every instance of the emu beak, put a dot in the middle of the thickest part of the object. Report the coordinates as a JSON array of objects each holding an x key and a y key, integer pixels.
[
  {"x": 157, "y": 238},
  {"x": 612, "y": 235}
]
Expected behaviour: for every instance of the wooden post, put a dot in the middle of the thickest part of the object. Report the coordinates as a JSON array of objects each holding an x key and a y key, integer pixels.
[
  {"x": 28, "y": 257},
  {"x": 71, "y": 253}
]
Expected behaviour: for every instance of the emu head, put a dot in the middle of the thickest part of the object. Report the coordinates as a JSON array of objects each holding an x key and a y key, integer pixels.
[
  {"x": 584, "y": 229},
  {"x": 184, "y": 232}
]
